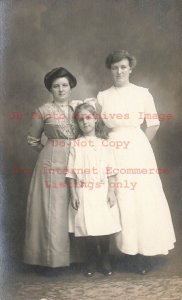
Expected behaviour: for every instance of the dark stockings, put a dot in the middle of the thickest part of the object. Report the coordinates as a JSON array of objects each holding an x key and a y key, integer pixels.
[{"x": 97, "y": 249}]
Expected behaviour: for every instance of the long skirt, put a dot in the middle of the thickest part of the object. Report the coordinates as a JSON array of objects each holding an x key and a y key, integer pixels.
[
  {"x": 145, "y": 217},
  {"x": 46, "y": 238}
]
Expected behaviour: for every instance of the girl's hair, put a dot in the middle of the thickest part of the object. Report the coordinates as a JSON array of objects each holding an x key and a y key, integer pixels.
[
  {"x": 85, "y": 106},
  {"x": 101, "y": 130}
]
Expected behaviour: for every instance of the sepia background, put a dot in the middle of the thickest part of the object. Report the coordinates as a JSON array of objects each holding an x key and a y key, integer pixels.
[{"x": 37, "y": 36}]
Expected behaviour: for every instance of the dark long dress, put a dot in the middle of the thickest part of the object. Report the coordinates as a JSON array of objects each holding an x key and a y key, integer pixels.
[{"x": 46, "y": 238}]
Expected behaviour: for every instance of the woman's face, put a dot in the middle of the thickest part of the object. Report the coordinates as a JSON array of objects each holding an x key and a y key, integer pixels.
[
  {"x": 121, "y": 72},
  {"x": 86, "y": 122},
  {"x": 61, "y": 89}
]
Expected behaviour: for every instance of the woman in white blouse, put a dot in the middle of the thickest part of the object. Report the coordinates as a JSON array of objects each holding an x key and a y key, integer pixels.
[{"x": 147, "y": 227}]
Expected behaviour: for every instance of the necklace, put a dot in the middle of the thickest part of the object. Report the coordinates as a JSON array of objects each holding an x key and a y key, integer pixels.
[
  {"x": 60, "y": 104},
  {"x": 63, "y": 108},
  {"x": 63, "y": 105}
]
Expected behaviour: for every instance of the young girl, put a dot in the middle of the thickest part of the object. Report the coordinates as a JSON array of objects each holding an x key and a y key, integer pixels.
[{"x": 93, "y": 207}]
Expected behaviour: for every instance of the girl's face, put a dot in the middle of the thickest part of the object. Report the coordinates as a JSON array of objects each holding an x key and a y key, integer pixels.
[
  {"x": 121, "y": 72},
  {"x": 61, "y": 89},
  {"x": 86, "y": 122}
]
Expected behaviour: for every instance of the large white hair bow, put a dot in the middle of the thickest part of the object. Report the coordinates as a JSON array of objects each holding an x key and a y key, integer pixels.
[{"x": 91, "y": 101}]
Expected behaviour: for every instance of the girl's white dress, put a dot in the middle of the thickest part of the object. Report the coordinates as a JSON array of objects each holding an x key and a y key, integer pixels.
[
  {"x": 145, "y": 217},
  {"x": 88, "y": 162}
]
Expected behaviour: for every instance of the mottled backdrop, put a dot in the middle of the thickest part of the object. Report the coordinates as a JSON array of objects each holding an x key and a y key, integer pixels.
[{"x": 78, "y": 34}]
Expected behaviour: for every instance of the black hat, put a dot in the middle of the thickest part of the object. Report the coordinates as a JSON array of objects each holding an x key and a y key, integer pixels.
[{"x": 57, "y": 73}]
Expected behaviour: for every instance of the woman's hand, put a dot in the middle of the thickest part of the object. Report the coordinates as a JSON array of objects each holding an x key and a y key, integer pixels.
[
  {"x": 111, "y": 198},
  {"x": 75, "y": 203}
]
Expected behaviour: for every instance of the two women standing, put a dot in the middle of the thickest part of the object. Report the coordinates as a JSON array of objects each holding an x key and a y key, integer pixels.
[{"x": 146, "y": 226}]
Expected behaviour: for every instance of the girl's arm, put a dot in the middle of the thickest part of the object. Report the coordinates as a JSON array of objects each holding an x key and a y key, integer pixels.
[
  {"x": 111, "y": 196},
  {"x": 74, "y": 197},
  {"x": 72, "y": 179}
]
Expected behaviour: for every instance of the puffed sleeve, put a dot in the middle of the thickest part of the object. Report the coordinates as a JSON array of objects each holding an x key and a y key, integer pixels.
[
  {"x": 151, "y": 115},
  {"x": 36, "y": 130},
  {"x": 71, "y": 162}
]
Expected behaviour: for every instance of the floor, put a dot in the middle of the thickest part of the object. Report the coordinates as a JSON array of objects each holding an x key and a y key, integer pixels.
[{"x": 163, "y": 282}]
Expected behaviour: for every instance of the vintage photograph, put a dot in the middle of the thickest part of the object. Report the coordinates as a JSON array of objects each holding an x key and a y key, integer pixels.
[{"x": 91, "y": 168}]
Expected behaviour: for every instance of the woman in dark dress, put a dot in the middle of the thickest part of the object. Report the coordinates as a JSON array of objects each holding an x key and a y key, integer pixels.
[{"x": 46, "y": 239}]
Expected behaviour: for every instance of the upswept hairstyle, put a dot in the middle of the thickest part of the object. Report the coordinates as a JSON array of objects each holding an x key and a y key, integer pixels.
[
  {"x": 117, "y": 56},
  {"x": 58, "y": 73}
]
